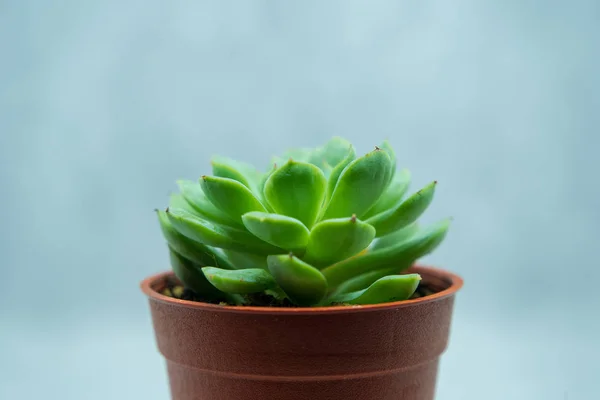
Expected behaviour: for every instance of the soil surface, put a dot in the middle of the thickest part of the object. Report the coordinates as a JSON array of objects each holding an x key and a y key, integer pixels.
[{"x": 174, "y": 289}]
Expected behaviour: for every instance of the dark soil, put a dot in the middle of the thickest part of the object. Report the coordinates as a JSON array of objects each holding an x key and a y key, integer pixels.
[{"x": 174, "y": 289}]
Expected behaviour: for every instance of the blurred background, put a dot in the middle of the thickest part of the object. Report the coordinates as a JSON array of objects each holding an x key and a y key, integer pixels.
[{"x": 104, "y": 104}]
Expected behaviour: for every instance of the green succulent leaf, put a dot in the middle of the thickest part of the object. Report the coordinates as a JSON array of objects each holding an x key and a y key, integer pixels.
[
  {"x": 390, "y": 151},
  {"x": 296, "y": 189},
  {"x": 404, "y": 214},
  {"x": 333, "y": 240},
  {"x": 279, "y": 230},
  {"x": 302, "y": 154},
  {"x": 176, "y": 200},
  {"x": 217, "y": 236},
  {"x": 317, "y": 157},
  {"x": 384, "y": 290},
  {"x": 392, "y": 197},
  {"x": 239, "y": 281},
  {"x": 326, "y": 172},
  {"x": 302, "y": 283},
  {"x": 193, "y": 194},
  {"x": 191, "y": 276},
  {"x": 363, "y": 281},
  {"x": 360, "y": 185},
  {"x": 336, "y": 150},
  {"x": 244, "y": 260},
  {"x": 335, "y": 173},
  {"x": 308, "y": 155},
  {"x": 225, "y": 167},
  {"x": 396, "y": 237},
  {"x": 232, "y": 197},
  {"x": 198, "y": 230},
  {"x": 260, "y": 187},
  {"x": 188, "y": 248},
  {"x": 402, "y": 255}
]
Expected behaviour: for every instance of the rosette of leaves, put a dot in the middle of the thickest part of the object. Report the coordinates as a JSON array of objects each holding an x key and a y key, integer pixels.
[{"x": 322, "y": 226}]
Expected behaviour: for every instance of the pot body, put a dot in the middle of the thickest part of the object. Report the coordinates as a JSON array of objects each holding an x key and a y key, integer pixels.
[{"x": 380, "y": 352}]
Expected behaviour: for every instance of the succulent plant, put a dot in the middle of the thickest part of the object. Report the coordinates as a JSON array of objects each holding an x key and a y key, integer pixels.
[{"x": 320, "y": 227}]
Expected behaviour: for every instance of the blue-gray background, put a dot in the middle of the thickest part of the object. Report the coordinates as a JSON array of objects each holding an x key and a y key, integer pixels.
[{"x": 104, "y": 104}]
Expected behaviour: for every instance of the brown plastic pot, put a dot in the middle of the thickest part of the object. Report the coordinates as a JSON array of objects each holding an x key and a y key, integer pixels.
[{"x": 375, "y": 352}]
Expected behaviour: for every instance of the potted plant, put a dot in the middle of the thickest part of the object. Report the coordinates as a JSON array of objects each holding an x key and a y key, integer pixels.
[{"x": 301, "y": 283}]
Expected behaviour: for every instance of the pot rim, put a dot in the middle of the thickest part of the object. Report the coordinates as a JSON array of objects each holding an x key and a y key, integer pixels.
[{"x": 455, "y": 284}]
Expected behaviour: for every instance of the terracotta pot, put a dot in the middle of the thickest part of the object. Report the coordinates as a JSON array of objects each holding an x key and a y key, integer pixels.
[{"x": 375, "y": 352}]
